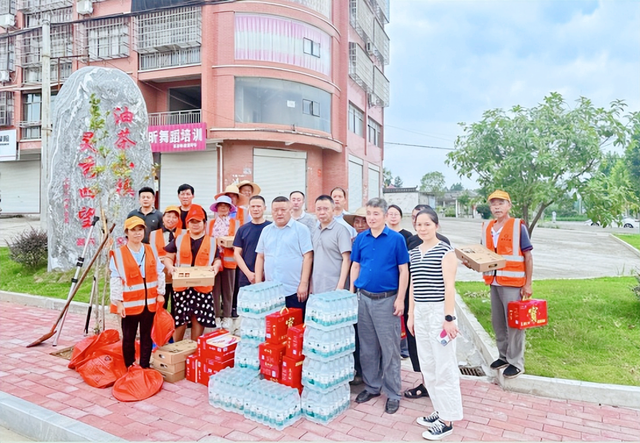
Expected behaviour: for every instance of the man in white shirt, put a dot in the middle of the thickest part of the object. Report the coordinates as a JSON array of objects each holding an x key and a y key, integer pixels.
[{"x": 297, "y": 210}]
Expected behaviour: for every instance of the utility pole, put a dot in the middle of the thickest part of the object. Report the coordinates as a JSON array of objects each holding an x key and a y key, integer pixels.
[{"x": 45, "y": 127}]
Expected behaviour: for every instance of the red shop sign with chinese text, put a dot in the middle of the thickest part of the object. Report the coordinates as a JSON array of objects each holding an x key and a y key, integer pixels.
[{"x": 177, "y": 138}]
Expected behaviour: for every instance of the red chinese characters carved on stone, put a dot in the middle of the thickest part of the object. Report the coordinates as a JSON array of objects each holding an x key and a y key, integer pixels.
[
  {"x": 123, "y": 187},
  {"x": 86, "y": 144},
  {"x": 82, "y": 241},
  {"x": 87, "y": 165},
  {"x": 124, "y": 142},
  {"x": 85, "y": 215},
  {"x": 86, "y": 192},
  {"x": 122, "y": 115}
]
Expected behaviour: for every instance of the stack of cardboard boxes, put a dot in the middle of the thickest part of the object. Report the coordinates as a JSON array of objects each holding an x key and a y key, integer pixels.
[
  {"x": 281, "y": 354},
  {"x": 170, "y": 360},
  {"x": 214, "y": 352}
]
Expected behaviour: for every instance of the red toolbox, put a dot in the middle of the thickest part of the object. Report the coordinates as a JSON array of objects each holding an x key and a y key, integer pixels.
[
  {"x": 295, "y": 338},
  {"x": 279, "y": 322},
  {"x": 527, "y": 313}
]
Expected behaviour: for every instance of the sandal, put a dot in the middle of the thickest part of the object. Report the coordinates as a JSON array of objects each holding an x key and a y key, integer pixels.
[{"x": 417, "y": 392}]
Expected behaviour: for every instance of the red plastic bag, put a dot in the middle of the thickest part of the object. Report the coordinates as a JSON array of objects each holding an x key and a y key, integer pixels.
[
  {"x": 137, "y": 384},
  {"x": 163, "y": 326},
  {"x": 102, "y": 371},
  {"x": 85, "y": 349}
]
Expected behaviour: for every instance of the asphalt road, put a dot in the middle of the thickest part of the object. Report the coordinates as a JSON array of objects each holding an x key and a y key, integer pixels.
[{"x": 570, "y": 250}]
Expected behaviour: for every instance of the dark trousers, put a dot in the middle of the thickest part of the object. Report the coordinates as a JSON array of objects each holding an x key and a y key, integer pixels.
[
  {"x": 411, "y": 344},
  {"x": 356, "y": 353},
  {"x": 292, "y": 302},
  {"x": 225, "y": 281},
  {"x": 168, "y": 296},
  {"x": 234, "y": 304},
  {"x": 129, "y": 329}
]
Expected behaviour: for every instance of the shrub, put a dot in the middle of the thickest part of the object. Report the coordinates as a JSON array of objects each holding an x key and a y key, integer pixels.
[
  {"x": 484, "y": 211},
  {"x": 450, "y": 212},
  {"x": 29, "y": 248}
]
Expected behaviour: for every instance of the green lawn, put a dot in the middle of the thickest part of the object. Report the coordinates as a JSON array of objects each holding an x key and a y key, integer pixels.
[
  {"x": 15, "y": 278},
  {"x": 632, "y": 239},
  {"x": 593, "y": 332}
]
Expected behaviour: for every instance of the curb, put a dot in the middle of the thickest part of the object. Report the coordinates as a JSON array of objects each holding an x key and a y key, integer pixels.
[
  {"x": 625, "y": 244},
  {"x": 40, "y": 424},
  {"x": 38, "y": 301},
  {"x": 603, "y": 394}
]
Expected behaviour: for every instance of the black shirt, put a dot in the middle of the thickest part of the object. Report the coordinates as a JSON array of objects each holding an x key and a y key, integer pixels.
[
  {"x": 414, "y": 240},
  {"x": 183, "y": 217},
  {"x": 195, "y": 247},
  {"x": 152, "y": 221}
]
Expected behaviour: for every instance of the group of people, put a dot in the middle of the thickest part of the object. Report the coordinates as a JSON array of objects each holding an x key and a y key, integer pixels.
[{"x": 398, "y": 277}]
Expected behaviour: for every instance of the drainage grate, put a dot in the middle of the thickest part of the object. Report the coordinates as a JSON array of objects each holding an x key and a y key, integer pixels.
[
  {"x": 64, "y": 353},
  {"x": 474, "y": 371}
]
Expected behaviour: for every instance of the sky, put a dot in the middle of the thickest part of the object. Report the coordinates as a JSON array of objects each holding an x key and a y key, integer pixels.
[{"x": 451, "y": 60}]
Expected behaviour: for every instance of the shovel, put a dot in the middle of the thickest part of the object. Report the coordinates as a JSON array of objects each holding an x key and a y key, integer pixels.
[{"x": 50, "y": 334}]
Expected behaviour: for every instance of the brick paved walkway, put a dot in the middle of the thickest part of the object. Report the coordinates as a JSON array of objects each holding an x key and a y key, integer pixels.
[{"x": 181, "y": 412}]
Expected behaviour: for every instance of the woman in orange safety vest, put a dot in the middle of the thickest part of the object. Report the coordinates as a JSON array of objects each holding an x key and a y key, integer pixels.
[
  {"x": 508, "y": 237},
  {"x": 193, "y": 248},
  {"x": 222, "y": 225},
  {"x": 137, "y": 283},
  {"x": 160, "y": 238}
]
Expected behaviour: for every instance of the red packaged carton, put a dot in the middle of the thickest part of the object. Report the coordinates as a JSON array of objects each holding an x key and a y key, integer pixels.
[
  {"x": 271, "y": 372},
  {"x": 528, "y": 313},
  {"x": 213, "y": 334},
  {"x": 191, "y": 368},
  {"x": 219, "y": 348},
  {"x": 291, "y": 374},
  {"x": 279, "y": 322},
  {"x": 295, "y": 338},
  {"x": 271, "y": 354},
  {"x": 208, "y": 367}
]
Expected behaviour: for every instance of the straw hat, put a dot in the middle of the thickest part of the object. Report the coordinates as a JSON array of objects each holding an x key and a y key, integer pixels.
[
  {"x": 499, "y": 195},
  {"x": 360, "y": 212},
  {"x": 256, "y": 188},
  {"x": 231, "y": 189},
  {"x": 223, "y": 199}
]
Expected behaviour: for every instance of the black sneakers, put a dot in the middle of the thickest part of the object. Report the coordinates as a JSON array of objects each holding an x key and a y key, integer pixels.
[
  {"x": 511, "y": 372},
  {"x": 429, "y": 420},
  {"x": 438, "y": 431},
  {"x": 499, "y": 364}
]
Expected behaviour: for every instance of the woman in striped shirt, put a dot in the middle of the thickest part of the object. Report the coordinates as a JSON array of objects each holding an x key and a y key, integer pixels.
[{"x": 431, "y": 319}]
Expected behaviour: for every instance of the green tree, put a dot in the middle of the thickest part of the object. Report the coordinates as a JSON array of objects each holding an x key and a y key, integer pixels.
[
  {"x": 464, "y": 199},
  {"x": 632, "y": 161},
  {"x": 538, "y": 154},
  {"x": 397, "y": 182},
  {"x": 387, "y": 177},
  {"x": 433, "y": 182},
  {"x": 456, "y": 187}
]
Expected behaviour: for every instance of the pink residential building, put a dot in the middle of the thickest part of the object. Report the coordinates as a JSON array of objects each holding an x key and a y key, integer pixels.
[{"x": 287, "y": 93}]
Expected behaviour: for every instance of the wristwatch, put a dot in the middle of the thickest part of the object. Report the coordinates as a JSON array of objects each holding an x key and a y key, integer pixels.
[{"x": 449, "y": 317}]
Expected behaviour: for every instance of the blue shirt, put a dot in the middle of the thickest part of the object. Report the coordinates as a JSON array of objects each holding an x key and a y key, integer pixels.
[
  {"x": 379, "y": 258},
  {"x": 283, "y": 249}
]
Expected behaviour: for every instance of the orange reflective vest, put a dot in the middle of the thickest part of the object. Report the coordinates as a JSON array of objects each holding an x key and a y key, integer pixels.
[
  {"x": 228, "y": 260},
  {"x": 205, "y": 256},
  {"x": 137, "y": 291},
  {"x": 157, "y": 242},
  {"x": 513, "y": 274}
]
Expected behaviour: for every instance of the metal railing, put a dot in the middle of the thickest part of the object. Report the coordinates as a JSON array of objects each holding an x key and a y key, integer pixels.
[
  {"x": 175, "y": 117},
  {"x": 181, "y": 57}
]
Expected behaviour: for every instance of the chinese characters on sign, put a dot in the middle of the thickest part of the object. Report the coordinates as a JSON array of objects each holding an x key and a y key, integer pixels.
[{"x": 176, "y": 138}]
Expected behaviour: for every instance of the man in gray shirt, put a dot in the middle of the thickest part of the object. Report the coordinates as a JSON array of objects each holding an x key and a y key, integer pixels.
[
  {"x": 332, "y": 250},
  {"x": 297, "y": 211}
]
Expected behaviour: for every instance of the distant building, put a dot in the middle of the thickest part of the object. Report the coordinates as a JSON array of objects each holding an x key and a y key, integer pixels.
[{"x": 408, "y": 198}]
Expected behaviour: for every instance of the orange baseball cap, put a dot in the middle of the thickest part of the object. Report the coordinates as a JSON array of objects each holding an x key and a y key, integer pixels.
[
  {"x": 132, "y": 222},
  {"x": 196, "y": 213},
  {"x": 499, "y": 195}
]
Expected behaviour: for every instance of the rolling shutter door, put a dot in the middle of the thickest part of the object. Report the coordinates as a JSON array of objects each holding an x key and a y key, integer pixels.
[
  {"x": 279, "y": 172},
  {"x": 355, "y": 183},
  {"x": 199, "y": 169},
  {"x": 374, "y": 182},
  {"x": 20, "y": 187}
]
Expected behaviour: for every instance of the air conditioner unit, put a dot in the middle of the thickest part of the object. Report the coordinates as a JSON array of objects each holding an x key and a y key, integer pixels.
[
  {"x": 4, "y": 76},
  {"x": 372, "y": 99},
  {"x": 370, "y": 47},
  {"x": 84, "y": 7},
  {"x": 7, "y": 20}
]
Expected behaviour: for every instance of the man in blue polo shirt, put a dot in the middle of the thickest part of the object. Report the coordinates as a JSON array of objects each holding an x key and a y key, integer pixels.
[{"x": 380, "y": 274}]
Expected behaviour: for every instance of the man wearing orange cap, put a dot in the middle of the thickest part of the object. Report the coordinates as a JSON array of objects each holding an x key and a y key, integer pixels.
[
  {"x": 193, "y": 248},
  {"x": 508, "y": 237},
  {"x": 137, "y": 284}
]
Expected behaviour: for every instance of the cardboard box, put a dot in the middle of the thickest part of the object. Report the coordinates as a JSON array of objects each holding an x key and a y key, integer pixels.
[
  {"x": 172, "y": 377},
  {"x": 190, "y": 276},
  {"x": 219, "y": 332},
  {"x": 295, "y": 339},
  {"x": 279, "y": 322},
  {"x": 168, "y": 368},
  {"x": 271, "y": 354},
  {"x": 528, "y": 313},
  {"x": 175, "y": 352},
  {"x": 220, "y": 348},
  {"x": 271, "y": 371},
  {"x": 291, "y": 374},
  {"x": 480, "y": 258},
  {"x": 225, "y": 241},
  {"x": 191, "y": 368}
]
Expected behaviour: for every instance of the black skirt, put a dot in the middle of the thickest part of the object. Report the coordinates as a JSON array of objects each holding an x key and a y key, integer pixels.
[{"x": 189, "y": 303}]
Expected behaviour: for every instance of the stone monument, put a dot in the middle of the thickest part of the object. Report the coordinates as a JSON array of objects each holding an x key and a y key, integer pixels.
[{"x": 100, "y": 157}]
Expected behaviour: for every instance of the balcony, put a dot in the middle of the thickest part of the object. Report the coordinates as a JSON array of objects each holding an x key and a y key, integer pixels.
[
  {"x": 361, "y": 19},
  {"x": 175, "y": 117},
  {"x": 30, "y": 6},
  {"x": 168, "y": 30},
  {"x": 360, "y": 67},
  {"x": 381, "y": 43},
  {"x": 30, "y": 130},
  {"x": 380, "y": 87},
  {"x": 321, "y": 6},
  {"x": 160, "y": 60}
]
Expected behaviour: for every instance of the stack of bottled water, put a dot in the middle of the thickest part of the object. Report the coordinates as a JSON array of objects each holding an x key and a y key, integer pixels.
[
  {"x": 255, "y": 302},
  {"x": 329, "y": 343},
  {"x": 229, "y": 387},
  {"x": 272, "y": 404}
]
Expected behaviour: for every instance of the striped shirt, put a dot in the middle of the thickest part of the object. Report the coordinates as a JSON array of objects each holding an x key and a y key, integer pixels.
[{"x": 426, "y": 273}]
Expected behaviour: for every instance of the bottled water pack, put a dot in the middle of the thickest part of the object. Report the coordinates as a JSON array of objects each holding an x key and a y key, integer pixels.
[
  {"x": 260, "y": 299},
  {"x": 328, "y": 344},
  {"x": 332, "y": 310},
  {"x": 228, "y": 388},
  {"x": 324, "y": 375},
  {"x": 253, "y": 329},
  {"x": 322, "y": 407},
  {"x": 272, "y": 404},
  {"x": 247, "y": 355}
]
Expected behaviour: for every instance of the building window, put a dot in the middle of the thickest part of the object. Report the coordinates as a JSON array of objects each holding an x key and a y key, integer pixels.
[
  {"x": 282, "y": 102},
  {"x": 374, "y": 133},
  {"x": 168, "y": 30},
  {"x": 31, "y": 116},
  {"x": 108, "y": 38},
  {"x": 6, "y": 108},
  {"x": 63, "y": 15},
  {"x": 310, "y": 107},
  {"x": 356, "y": 120},
  {"x": 311, "y": 47},
  {"x": 7, "y": 54}
]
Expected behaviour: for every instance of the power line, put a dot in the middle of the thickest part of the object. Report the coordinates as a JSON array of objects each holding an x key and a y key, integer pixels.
[
  {"x": 417, "y": 132},
  {"x": 420, "y": 146}
]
